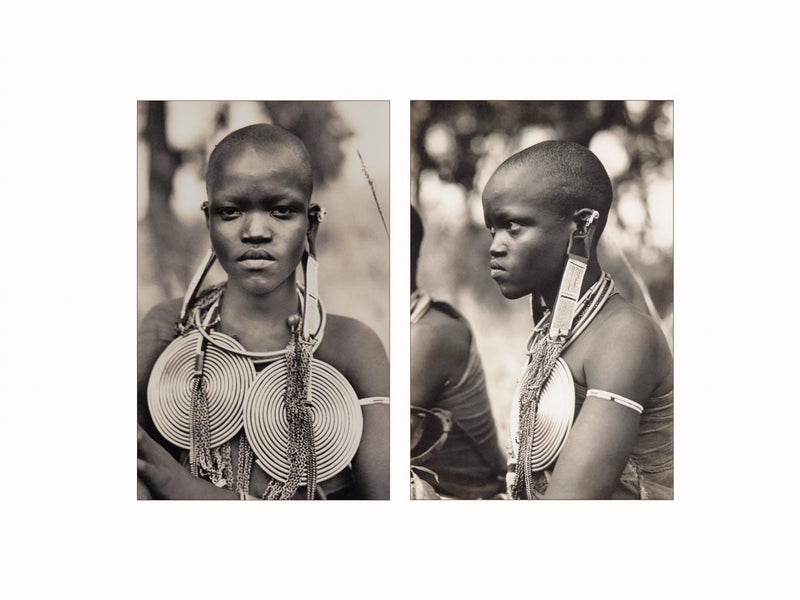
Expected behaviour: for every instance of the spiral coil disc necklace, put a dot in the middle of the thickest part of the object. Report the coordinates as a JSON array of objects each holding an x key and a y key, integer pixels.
[{"x": 299, "y": 415}]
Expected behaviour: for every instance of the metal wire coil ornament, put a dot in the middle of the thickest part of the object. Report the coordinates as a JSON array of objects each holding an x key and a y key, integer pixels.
[
  {"x": 337, "y": 420},
  {"x": 204, "y": 386},
  {"x": 169, "y": 390},
  {"x": 554, "y": 415}
]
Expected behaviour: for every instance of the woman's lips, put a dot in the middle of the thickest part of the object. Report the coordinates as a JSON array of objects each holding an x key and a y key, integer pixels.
[
  {"x": 256, "y": 263},
  {"x": 256, "y": 253},
  {"x": 256, "y": 259},
  {"x": 495, "y": 270}
]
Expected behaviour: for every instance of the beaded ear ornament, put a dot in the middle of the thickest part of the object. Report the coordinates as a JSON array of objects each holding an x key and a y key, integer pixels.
[
  {"x": 544, "y": 402},
  {"x": 300, "y": 416}
]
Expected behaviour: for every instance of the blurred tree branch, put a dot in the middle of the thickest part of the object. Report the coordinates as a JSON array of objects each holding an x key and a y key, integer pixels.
[
  {"x": 320, "y": 128},
  {"x": 167, "y": 235}
]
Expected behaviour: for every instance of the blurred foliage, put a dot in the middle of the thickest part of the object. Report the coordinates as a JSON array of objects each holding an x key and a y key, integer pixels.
[
  {"x": 319, "y": 127},
  {"x": 576, "y": 121},
  {"x": 161, "y": 232}
]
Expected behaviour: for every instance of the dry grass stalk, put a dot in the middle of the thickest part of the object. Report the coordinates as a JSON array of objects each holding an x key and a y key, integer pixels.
[{"x": 372, "y": 188}]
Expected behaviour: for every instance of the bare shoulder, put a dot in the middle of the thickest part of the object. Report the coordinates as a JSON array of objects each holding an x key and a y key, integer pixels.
[
  {"x": 628, "y": 328},
  {"x": 628, "y": 352},
  {"x": 356, "y": 350},
  {"x": 440, "y": 345},
  {"x": 165, "y": 313},
  {"x": 346, "y": 333},
  {"x": 156, "y": 331},
  {"x": 443, "y": 330}
]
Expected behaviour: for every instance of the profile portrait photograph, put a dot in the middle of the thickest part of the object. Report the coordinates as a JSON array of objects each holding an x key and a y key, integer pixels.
[{"x": 541, "y": 300}]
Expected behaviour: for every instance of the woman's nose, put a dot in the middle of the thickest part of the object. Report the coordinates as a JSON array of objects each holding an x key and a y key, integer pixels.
[
  {"x": 257, "y": 228},
  {"x": 498, "y": 247}
]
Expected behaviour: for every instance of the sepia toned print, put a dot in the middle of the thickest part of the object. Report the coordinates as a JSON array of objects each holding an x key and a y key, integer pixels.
[
  {"x": 250, "y": 385},
  {"x": 552, "y": 224}
]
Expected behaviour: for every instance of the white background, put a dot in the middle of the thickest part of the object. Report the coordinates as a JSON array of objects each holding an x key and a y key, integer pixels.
[{"x": 71, "y": 75}]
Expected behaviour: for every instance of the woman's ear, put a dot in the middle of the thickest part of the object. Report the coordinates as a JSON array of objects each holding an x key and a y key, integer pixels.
[
  {"x": 315, "y": 215},
  {"x": 584, "y": 218},
  {"x": 204, "y": 208},
  {"x": 580, "y": 241}
]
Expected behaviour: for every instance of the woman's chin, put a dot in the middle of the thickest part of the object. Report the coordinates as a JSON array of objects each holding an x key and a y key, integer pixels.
[
  {"x": 511, "y": 291},
  {"x": 258, "y": 285}
]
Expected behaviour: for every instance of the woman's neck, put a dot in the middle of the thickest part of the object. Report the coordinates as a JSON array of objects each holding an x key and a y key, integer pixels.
[
  {"x": 593, "y": 272},
  {"x": 259, "y": 322}
]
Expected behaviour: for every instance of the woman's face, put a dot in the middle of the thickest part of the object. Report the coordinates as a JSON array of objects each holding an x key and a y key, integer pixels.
[
  {"x": 257, "y": 218},
  {"x": 529, "y": 237}
]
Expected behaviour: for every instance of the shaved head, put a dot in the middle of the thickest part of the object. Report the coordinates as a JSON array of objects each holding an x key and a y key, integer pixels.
[
  {"x": 575, "y": 178},
  {"x": 266, "y": 140}
]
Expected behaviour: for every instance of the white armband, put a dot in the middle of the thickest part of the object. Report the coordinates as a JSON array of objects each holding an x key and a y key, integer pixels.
[
  {"x": 374, "y": 400},
  {"x": 603, "y": 395}
]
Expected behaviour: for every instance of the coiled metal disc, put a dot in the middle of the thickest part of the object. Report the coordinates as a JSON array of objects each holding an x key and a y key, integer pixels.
[
  {"x": 169, "y": 391},
  {"x": 338, "y": 422},
  {"x": 554, "y": 416}
]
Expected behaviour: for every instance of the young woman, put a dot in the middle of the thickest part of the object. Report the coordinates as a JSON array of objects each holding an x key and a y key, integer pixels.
[
  {"x": 249, "y": 390},
  {"x": 592, "y": 416}
]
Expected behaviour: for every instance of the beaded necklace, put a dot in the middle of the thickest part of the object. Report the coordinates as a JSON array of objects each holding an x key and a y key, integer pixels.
[{"x": 543, "y": 408}]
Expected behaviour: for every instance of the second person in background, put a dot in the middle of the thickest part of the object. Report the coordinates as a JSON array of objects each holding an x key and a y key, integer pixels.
[{"x": 448, "y": 392}]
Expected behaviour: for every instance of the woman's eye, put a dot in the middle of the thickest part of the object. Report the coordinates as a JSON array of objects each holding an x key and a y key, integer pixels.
[
  {"x": 283, "y": 211},
  {"x": 229, "y": 212},
  {"x": 492, "y": 231},
  {"x": 513, "y": 227}
]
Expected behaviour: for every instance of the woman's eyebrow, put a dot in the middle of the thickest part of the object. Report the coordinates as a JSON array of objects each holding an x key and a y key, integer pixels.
[
  {"x": 273, "y": 200},
  {"x": 231, "y": 199},
  {"x": 502, "y": 214},
  {"x": 266, "y": 201}
]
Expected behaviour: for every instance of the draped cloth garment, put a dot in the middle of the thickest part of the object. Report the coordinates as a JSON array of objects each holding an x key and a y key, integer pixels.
[
  {"x": 648, "y": 474},
  {"x": 470, "y": 464}
]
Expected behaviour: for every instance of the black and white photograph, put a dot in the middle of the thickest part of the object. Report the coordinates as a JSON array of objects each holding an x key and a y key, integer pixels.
[
  {"x": 263, "y": 300},
  {"x": 541, "y": 299},
  {"x": 210, "y": 291}
]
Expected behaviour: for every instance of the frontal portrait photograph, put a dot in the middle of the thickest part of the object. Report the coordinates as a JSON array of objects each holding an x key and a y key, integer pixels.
[{"x": 251, "y": 384}]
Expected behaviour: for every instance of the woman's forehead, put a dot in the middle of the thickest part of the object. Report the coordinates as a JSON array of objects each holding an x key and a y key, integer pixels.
[
  {"x": 520, "y": 190},
  {"x": 268, "y": 167},
  {"x": 255, "y": 161}
]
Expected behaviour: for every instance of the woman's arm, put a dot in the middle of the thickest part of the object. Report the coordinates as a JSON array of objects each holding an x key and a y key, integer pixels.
[
  {"x": 595, "y": 453},
  {"x": 371, "y": 462},
  {"x": 166, "y": 479},
  {"x": 160, "y": 475},
  {"x": 155, "y": 333},
  {"x": 439, "y": 352},
  {"x": 367, "y": 370},
  {"x": 624, "y": 361}
]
